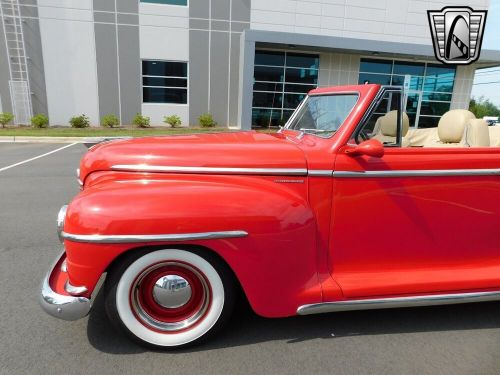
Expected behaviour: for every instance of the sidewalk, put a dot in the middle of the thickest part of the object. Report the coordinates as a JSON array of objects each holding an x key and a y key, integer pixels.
[{"x": 18, "y": 139}]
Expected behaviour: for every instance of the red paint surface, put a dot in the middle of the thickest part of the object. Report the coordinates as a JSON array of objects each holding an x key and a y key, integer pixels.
[{"x": 321, "y": 239}]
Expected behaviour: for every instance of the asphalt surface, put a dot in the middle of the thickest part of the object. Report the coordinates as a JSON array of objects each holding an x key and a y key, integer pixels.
[{"x": 460, "y": 339}]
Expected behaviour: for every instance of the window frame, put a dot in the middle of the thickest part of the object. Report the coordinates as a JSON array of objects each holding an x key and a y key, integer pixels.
[
  {"x": 164, "y": 4},
  {"x": 166, "y": 77},
  {"x": 371, "y": 110}
]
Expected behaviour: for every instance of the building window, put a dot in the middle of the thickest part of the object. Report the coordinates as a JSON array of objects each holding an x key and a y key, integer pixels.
[
  {"x": 281, "y": 81},
  {"x": 168, "y": 2},
  {"x": 431, "y": 86},
  {"x": 164, "y": 82}
]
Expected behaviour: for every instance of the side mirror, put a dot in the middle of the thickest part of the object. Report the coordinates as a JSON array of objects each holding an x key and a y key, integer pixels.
[{"x": 371, "y": 147}]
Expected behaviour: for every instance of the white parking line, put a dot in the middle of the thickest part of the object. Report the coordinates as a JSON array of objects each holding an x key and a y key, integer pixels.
[{"x": 37, "y": 157}]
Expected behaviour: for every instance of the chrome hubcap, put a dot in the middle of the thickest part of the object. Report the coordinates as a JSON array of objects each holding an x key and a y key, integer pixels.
[{"x": 172, "y": 291}]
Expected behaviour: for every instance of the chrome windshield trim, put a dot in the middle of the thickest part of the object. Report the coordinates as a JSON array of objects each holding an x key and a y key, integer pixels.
[
  {"x": 388, "y": 303},
  {"x": 212, "y": 170},
  {"x": 418, "y": 173},
  {"x": 137, "y": 238}
]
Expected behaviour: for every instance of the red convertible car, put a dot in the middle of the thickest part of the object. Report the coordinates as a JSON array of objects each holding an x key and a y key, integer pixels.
[{"x": 347, "y": 207}]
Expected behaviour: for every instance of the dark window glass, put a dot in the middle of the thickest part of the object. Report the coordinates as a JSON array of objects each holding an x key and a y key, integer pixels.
[
  {"x": 169, "y": 82},
  {"x": 293, "y": 100},
  {"x": 265, "y": 73},
  {"x": 375, "y": 66},
  {"x": 267, "y": 99},
  {"x": 265, "y": 118},
  {"x": 298, "y": 60},
  {"x": 302, "y": 75},
  {"x": 286, "y": 116},
  {"x": 164, "y": 68},
  {"x": 415, "y": 82},
  {"x": 434, "y": 69},
  {"x": 380, "y": 79},
  {"x": 443, "y": 84},
  {"x": 403, "y": 68},
  {"x": 428, "y": 122},
  {"x": 434, "y": 108},
  {"x": 164, "y": 95},
  {"x": 436, "y": 96},
  {"x": 169, "y": 2},
  {"x": 270, "y": 58},
  {"x": 267, "y": 86},
  {"x": 302, "y": 89}
]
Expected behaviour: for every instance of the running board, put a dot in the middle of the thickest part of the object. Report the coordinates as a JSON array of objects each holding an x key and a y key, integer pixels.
[{"x": 390, "y": 303}]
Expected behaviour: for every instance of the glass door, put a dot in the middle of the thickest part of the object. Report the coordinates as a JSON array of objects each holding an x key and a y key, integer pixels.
[{"x": 412, "y": 106}]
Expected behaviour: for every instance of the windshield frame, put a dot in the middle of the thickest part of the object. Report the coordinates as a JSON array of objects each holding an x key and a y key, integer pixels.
[{"x": 307, "y": 98}]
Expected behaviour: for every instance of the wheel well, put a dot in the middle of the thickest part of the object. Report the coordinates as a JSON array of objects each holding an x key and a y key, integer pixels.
[{"x": 193, "y": 248}]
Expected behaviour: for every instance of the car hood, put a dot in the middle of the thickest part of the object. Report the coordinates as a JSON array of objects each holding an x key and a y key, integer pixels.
[{"x": 216, "y": 150}]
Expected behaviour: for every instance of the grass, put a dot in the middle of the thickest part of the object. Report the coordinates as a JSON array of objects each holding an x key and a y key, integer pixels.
[{"x": 24, "y": 131}]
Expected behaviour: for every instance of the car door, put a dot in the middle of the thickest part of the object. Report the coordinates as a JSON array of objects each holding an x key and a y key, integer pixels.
[{"x": 416, "y": 220}]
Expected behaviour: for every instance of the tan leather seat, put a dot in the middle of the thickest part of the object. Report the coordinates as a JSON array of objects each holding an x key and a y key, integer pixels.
[
  {"x": 451, "y": 129},
  {"x": 388, "y": 127},
  {"x": 477, "y": 133},
  {"x": 494, "y": 135}
]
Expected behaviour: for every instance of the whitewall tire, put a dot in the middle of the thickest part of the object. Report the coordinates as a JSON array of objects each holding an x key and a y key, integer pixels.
[{"x": 169, "y": 298}]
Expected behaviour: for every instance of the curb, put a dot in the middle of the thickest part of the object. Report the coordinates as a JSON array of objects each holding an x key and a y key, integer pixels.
[{"x": 16, "y": 139}]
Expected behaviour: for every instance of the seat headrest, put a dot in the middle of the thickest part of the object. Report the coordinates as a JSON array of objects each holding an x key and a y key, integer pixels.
[
  {"x": 389, "y": 124},
  {"x": 478, "y": 134},
  {"x": 452, "y": 124}
]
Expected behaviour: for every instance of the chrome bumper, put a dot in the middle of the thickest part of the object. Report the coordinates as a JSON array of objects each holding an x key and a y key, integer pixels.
[{"x": 62, "y": 306}]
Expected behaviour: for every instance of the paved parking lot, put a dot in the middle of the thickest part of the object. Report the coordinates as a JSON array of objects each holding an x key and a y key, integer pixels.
[{"x": 438, "y": 340}]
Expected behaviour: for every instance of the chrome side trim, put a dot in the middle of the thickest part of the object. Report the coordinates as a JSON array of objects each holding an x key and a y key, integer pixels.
[
  {"x": 212, "y": 170},
  {"x": 389, "y": 303},
  {"x": 320, "y": 173},
  {"x": 135, "y": 238},
  {"x": 418, "y": 173},
  {"x": 61, "y": 306}
]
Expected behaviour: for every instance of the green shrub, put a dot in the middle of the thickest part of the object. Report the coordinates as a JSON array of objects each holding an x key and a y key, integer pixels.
[
  {"x": 5, "y": 118},
  {"x": 141, "y": 121},
  {"x": 207, "y": 121},
  {"x": 110, "y": 121},
  {"x": 174, "y": 121},
  {"x": 79, "y": 121},
  {"x": 40, "y": 121}
]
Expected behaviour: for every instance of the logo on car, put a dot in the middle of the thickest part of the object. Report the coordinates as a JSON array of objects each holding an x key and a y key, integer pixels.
[{"x": 457, "y": 34}]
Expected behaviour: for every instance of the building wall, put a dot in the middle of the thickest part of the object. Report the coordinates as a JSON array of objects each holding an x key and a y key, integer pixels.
[
  {"x": 338, "y": 69},
  {"x": 463, "y": 87},
  {"x": 5, "y": 100},
  {"x": 69, "y": 59},
  {"x": 387, "y": 20}
]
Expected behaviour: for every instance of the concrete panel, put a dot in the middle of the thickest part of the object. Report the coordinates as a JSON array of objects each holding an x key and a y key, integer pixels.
[
  {"x": 130, "y": 72},
  {"x": 107, "y": 72},
  {"x": 130, "y": 19},
  {"x": 33, "y": 45},
  {"x": 199, "y": 9},
  {"x": 127, "y": 6},
  {"x": 198, "y": 74},
  {"x": 70, "y": 68},
  {"x": 220, "y": 25},
  {"x": 104, "y": 17},
  {"x": 239, "y": 27},
  {"x": 157, "y": 111},
  {"x": 241, "y": 10},
  {"x": 174, "y": 43},
  {"x": 234, "y": 79},
  {"x": 199, "y": 24},
  {"x": 221, "y": 9},
  {"x": 219, "y": 70},
  {"x": 106, "y": 5},
  {"x": 4, "y": 73}
]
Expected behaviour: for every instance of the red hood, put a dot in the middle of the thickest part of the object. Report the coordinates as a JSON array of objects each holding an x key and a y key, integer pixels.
[{"x": 226, "y": 150}]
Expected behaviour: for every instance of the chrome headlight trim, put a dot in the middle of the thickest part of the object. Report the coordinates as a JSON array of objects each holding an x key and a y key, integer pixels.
[{"x": 61, "y": 216}]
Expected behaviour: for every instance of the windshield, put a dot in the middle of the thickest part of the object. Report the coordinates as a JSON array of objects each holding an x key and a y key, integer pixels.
[{"x": 323, "y": 115}]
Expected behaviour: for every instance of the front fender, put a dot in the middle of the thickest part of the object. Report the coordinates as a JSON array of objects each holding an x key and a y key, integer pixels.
[{"x": 275, "y": 263}]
